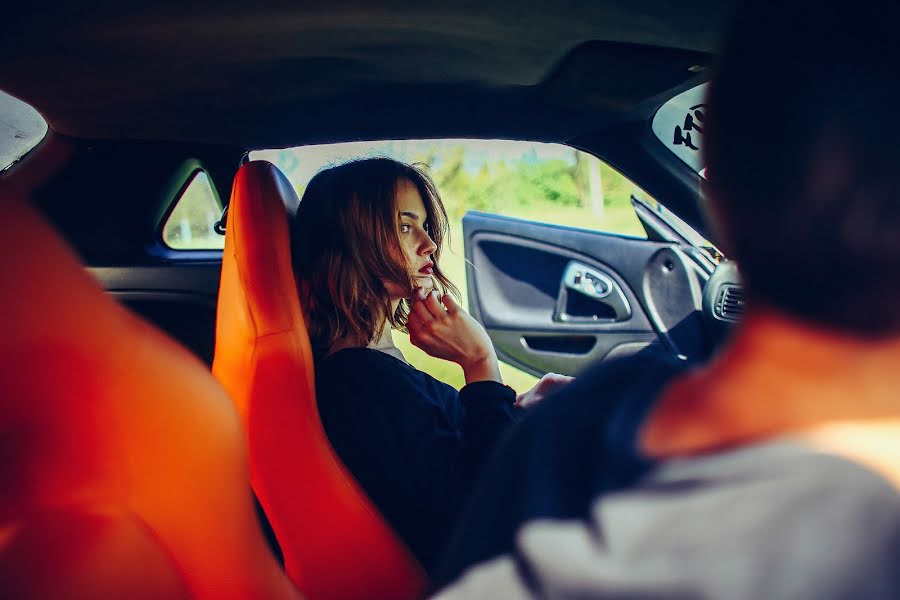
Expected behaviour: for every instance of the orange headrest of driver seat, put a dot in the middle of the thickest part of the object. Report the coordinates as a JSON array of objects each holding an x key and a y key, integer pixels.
[
  {"x": 336, "y": 545},
  {"x": 124, "y": 469}
]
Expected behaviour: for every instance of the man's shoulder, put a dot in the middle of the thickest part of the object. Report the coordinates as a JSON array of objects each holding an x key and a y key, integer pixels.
[
  {"x": 771, "y": 520},
  {"x": 745, "y": 511},
  {"x": 802, "y": 483}
]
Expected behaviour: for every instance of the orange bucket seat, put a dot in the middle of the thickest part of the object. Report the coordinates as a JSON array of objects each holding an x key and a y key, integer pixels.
[{"x": 336, "y": 545}]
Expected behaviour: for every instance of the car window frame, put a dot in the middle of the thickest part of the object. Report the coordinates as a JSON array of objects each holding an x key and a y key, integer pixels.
[{"x": 171, "y": 194}]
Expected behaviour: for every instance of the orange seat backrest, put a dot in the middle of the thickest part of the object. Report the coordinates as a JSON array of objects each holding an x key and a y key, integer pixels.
[
  {"x": 336, "y": 545},
  {"x": 123, "y": 468}
]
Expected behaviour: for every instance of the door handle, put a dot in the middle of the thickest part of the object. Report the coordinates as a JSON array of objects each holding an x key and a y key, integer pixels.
[
  {"x": 587, "y": 295},
  {"x": 583, "y": 279}
]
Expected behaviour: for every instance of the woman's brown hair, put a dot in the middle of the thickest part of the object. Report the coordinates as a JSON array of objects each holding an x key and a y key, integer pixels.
[{"x": 345, "y": 243}]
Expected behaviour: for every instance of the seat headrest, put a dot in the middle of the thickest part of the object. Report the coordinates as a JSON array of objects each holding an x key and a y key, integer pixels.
[{"x": 258, "y": 240}]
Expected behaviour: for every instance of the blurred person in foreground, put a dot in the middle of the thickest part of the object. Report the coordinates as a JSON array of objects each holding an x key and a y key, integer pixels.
[{"x": 773, "y": 471}]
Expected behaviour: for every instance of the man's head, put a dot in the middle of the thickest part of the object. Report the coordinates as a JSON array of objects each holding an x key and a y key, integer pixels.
[{"x": 803, "y": 153}]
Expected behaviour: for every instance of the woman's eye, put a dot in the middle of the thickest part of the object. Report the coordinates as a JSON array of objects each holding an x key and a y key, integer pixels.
[{"x": 404, "y": 228}]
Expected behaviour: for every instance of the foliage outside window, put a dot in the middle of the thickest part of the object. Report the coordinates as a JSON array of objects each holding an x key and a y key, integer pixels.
[
  {"x": 549, "y": 183},
  {"x": 190, "y": 225}
]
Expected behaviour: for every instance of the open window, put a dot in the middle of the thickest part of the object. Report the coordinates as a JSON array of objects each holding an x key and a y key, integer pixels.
[{"x": 556, "y": 262}]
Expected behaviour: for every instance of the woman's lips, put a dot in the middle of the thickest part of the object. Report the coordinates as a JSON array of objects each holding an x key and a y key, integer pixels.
[{"x": 427, "y": 269}]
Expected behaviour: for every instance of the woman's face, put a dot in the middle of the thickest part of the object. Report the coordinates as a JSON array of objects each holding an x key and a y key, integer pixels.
[{"x": 416, "y": 244}]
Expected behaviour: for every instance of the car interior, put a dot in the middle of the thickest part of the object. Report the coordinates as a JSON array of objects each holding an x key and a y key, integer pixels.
[{"x": 110, "y": 111}]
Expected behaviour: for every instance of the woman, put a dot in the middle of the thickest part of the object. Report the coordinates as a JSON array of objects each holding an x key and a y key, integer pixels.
[{"x": 366, "y": 250}]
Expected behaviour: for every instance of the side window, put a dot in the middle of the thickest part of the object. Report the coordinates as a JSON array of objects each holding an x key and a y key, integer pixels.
[
  {"x": 21, "y": 128},
  {"x": 679, "y": 123},
  {"x": 190, "y": 225},
  {"x": 550, "y": 183}
]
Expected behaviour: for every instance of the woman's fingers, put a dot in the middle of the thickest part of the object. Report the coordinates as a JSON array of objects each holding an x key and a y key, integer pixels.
[
  {"x": 434, "y": 306},
  {"x": 451, "y": 305},
  {"x": 434, "y": 310},
  {"x": 418, "y": 314},
  {"x": 552, "y": 381},
  {"x": 543, "y": 388},
  {"x": 423, "y": 314}
]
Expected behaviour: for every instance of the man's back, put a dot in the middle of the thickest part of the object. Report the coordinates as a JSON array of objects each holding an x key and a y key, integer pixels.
[{"x": 779, "y": 519}]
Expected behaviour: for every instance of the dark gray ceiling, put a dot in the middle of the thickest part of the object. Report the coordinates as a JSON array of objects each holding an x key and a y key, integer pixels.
[{"x": 278, "y": 73}]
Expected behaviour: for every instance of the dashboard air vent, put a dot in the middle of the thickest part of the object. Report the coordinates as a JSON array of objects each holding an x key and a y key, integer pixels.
[{"x": 730, "y": 303}]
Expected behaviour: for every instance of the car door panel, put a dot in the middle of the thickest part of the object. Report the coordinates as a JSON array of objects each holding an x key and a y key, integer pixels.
[
  {"x": 179, "y": 299},
  {"x": 558, "y": 298}
]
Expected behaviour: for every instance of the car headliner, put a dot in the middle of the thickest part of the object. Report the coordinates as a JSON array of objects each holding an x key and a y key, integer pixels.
[{"x": 274, "y": 74}]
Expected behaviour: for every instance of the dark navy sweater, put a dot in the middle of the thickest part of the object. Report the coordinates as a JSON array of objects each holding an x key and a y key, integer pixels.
[{"x": 413, "y": 443}]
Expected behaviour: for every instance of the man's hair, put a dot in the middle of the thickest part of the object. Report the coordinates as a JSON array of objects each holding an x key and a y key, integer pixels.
[
  {"x": 803, "y": 153},
  {"x": 345, "y": 243}
]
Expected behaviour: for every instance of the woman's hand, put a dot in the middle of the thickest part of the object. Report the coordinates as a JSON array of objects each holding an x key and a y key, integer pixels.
[
  {"x": 545, "y": 386},
  {"x": 444, "y": 330}
]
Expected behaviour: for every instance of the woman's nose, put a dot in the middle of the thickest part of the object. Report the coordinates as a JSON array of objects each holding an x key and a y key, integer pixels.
[{"x": 428, "y": 246}]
